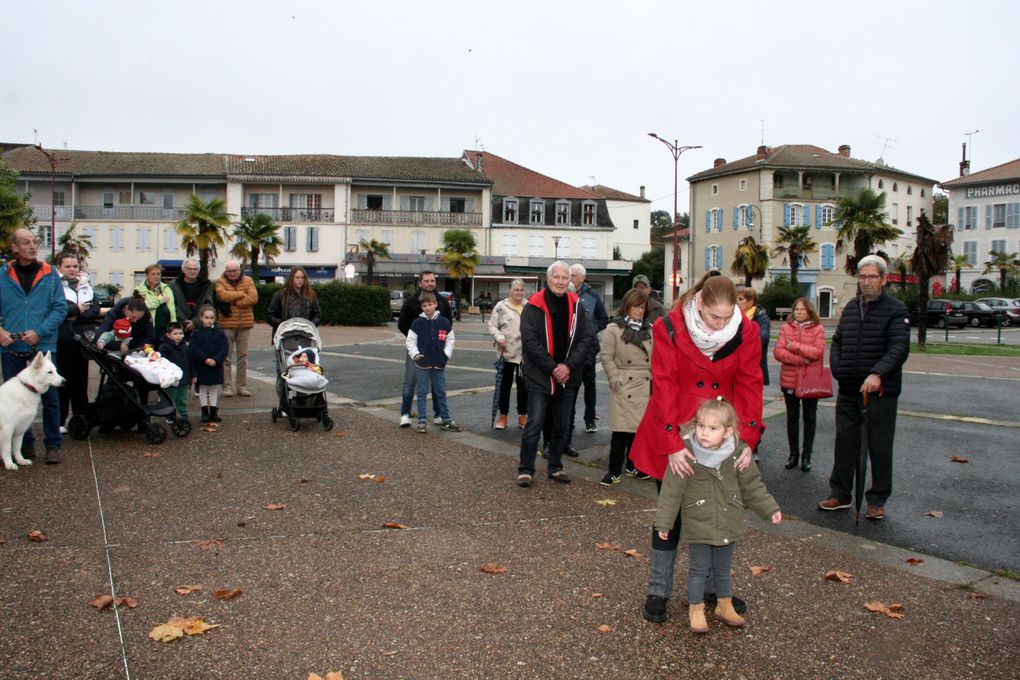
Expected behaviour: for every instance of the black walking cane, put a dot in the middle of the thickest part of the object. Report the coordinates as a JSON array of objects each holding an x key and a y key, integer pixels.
[
  {"x": 498, "y": 365},
  {"x": 862, "y": 459}
]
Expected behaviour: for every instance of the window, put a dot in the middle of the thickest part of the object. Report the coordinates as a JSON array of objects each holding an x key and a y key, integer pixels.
[
  {"x": 1013, "y": 215},
  {"x": 117, "y": 278},
  {"x": 826, "y": 215},
  {"x": 307, "y": 205},
  {"x": 970, "y": 250},
  {"x": 457, "y": 205},
  {"x": 509, "y": 244},
  {"x": 312, "y": 239},
  {"x": 146, "y": 198},
  {"x": 262, "y": 201},
  {"x": 740, "y": 216},
  {"x": 386, "y": 236},
  {"x": 43, "y": 230},
  {"x": 91, "y": 234},
  {"x": 124, "y": 198},
  {"x": 139, "y": 278},
  {"x": 922, "y": 193},
  {"x": 107, "y": 199},
  {"x": 290, "y": 239},
  {"x": 828, "y": 256},
  {"x": 536, "y": 212},
  {"x": 715, "y": 189},
  {"x": 743, "y": 185},
  {"x": 510, "y": 210},
  {"x": 417, "y": 241},
  {"x": 169, "y": 238},
  {"x": 717, "y": 219},
  {"x": 777, "y": 180},
  {"x": 414, "y": 203},
  {"x": 795, "y": 215},
  {"x": 910, "y": 215},
  {"x": 535, "y": 246},
  {"x": 894, "y": 213},
  {"x": 967, "y": 218},
  {"x": 562, "y": 212},
  {"x": 713, "y": 257},
  {"x": 587, "y": 247},
  {"x": 881, "y": 184},
  {"x": 58, "y": 198},
  {"x": 587, "y": 213},
  {"x": 895, "y": 186},
  {"x": 374, "y": 202},
  {"x": 362, "y": 235},
  {"x": 999, "y": 246},
  {"x": 562, "y": 247},
  {"x": 635, "y": 224},
  {"x": 144, "y": 238},
  {"x": 116, "y": 238},
  {"x": 999, "y": 215},
  {"x": 910, "y": 190},
  {"x": 168, "y": 200}
]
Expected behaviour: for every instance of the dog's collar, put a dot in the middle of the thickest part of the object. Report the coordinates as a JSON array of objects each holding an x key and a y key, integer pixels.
[{"x": 29, "y": 387}]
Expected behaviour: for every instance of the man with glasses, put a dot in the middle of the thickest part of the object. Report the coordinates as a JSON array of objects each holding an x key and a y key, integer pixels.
[
  {"x": 866, "y": 357},
  {"x": 32, "y": 307}
]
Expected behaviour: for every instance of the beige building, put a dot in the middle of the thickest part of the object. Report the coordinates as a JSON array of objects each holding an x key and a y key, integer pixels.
[{"x": 796, "y": 185}]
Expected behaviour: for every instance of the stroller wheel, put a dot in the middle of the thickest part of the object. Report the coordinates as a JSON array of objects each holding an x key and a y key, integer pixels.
[
  {"x": 78, "y": 427},
  {"x": 181, "y": 427},
  {"x": 155, "y": 434},
  {"x": 327, "y": 422},
  {"x": 276, "y": 414},
  {"x": 293, "y": 423}
]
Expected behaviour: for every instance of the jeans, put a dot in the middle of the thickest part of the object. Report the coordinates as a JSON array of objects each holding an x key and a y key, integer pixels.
[
  {"x": 705, "y": 560},
  {"x": 236, "y": 337},
  {"x": 881, "y": 426},
  {"x": 556, "y": 407},
  {"x": 434, "y": 379},
  {"x": 793, "y": 404},
  {"x": 619, "y": 451},
  {"x": 506, "y": 384},
  {"x": 410, "y": 381},
  {"x": 12, "y": 365}
]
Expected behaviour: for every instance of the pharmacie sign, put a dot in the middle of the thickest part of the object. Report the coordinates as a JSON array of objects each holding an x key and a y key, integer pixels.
[{"x": 998, "y": 190}]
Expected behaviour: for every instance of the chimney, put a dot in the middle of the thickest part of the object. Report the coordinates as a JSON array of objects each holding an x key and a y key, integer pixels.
[
  {"x": 844, "y": 150},
  {"x": 718, "y": 162},
  {"x": 964, "y": 164},
  {"x": 763, "y": 152},
  {"x": 642, "y": 191},
  {"x": 478, "y": 163}
]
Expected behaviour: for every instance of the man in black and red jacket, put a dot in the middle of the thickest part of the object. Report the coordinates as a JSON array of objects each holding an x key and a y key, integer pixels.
[{"x": 557, "y": 338}]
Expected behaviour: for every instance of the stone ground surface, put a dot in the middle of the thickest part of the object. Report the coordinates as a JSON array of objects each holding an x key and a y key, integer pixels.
[{"x": 326, "y": 588}]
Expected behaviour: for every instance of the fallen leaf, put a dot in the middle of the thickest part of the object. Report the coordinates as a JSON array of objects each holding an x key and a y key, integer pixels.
[
  {"x": 832, "y": 657},
  {"x": 914, "y": 561},
  {"x": 892, "y": 611},
  {"x": 187, "y": 590},
  {"x": 380, "y": 480},
  {"x": 366, "y": 476},
  {"x": 209, "y": 543},
  {"x": 335, "y": 675},
  {"x": 974, "y": 595},
  {"x": 758, "y": 571},
  {"x": 217, "y": 475},
  {"x": 606, "y": 501},
  {"x": 632, "y": 553},
  {"x": 959, "y": 459},
  {"x": 302, "y": 481},
  {"x": 192, "y": 625},
  {"x": 102, "y": 601},
  {"x": 165, "y": 633},
  {"x": 152, "y": 455},
  {"x": 2, "y": 541},
  {"x": 37, "y": 536},
  {"x": 841, "y": 576},
  {"x": 314, "y": 676},
  {"x": 493, "y": 568},
  {"x": 604, "y": 628},
  {"x": 210, "y": 428},
  {"x": 227, "y": 594},
  {"x": 934, "y": 513},
  {"x": 874, "y": 607},
  {"x": 598, "y": 595},
  {"x": 392, "y": 652},
  {"x": 607, "y": 546},
  {"x": 275, "y": 506},
  {"x": 128, "y": 602},
  {"x": 340, "y": 434},
  {"x": 394, "y": 525}
]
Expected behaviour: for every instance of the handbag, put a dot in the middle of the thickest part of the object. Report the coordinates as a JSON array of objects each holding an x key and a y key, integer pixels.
[{"x": 814, "y": 384}]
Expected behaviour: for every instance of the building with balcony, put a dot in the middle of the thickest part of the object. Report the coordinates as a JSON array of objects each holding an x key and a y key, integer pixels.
[
  {"x": 796, "y": 185},
  {"x": 986, "y": 208}
]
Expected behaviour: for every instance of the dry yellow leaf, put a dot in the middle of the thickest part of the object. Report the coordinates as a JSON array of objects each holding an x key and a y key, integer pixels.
[
  {"x": 186, "y": 590},
  {"x": 604, "y": 628},
  {"x": 874, "y": 607},
  {"x": 493, "y": 568},
  {"x": 598, "y": 594},
  {"x": 275, "y": 506},
  {"x": 632, "y": 553},
  {"x": 366, "y": 476},
  {"x": 37, "y": 536},
  {"x": 335, "y": 675},
  {"x": 128, "y": 602},
  {"x": 209, "y": 543},
  {"x": 226, "y": 594},
  {"x": 841, "y": 576},
  {"x": 959, "y": 459},
  {"x": 607, "y": 546},
  {"x": 914, "y": 561},
  {"x": 380, "y": 479},
  {"x": 314, "y": 676},
  {"x": 392, "y": 652},
  {"x": 606, "y": 501},
  {"x": 934, "y": 513},
  {"x": 192, "y": 625},
  {"x": 102, "y": 601},
  {"x": 394, "y": 525},
  {"x": 758, "y": 571},
  {"x": 165, "y": 633},
  {"x": 152, "y": 455}
]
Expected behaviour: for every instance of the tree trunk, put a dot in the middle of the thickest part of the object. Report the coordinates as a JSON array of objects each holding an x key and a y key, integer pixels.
[
  {"x": 203, "y": 263},
  {"x": 922, "y": 313},
  {"x": 957, "y": 279},
  {"x": 747, "y": 280},
  {"x": 456, "y": 291},
  {"x": 1002, "y": 281},
  {"x": 369, "y": 266}
]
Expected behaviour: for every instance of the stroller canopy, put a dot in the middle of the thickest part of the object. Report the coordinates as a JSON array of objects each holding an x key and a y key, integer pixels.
[{"x": 297, "y": 327}]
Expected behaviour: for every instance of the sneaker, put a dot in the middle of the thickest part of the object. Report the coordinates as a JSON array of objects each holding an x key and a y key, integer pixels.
[
  {"x": 522, "y": 421},
  {"x": 560, "y": 476},
  {"x": 421, "y": 427},
  {"x": 640, "y": 475},
  {"x": 524, "y": 479},
  {"x": 63, "y": 430},
  {"x": 610, "y": 479},
  {"x": 438, "y": 420},
  {"x": 405, "y": 420},
  {"x": 540, "y": 452},
  {"x": 451, "y": 426},
  {"x": 243, "y": 392},
  {"x": 228, "y": 391},
  {"x": 630, "y": 470},
  {"x": 590, "y": 426},
  {"x": 655, "y": 609},
  {"x": 874, "y": 512},
  {"x": 569, "y": 450},
  {"x": 500, "y": 422},
  {"x": 833, "y": 503}
]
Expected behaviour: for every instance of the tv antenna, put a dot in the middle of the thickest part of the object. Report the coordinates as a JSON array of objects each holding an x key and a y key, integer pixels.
[
  {"x": 478, "y": 143},
  {"x": 887, "y": 142},
  {"x": 762, "y": 131}
]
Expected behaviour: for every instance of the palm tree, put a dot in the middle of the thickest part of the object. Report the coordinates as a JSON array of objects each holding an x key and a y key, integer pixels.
[
  {"x": 256, "y": 234},
  {"x": 1006, "y": 263},
  {"x": 751, "y": 260},
  {"x": 203, "y": 229},
  {"x": 373, "y": 249},
  {"x": 931, "y": 257},
  {"x": 71, "y": 242},
  {"x": 15, "y": 210},
  {"x": 959, "y": 262},
  {"x": 460, "y": 257},
  {"x": 795, "y": 243},
  {"x": 862, "y": 227}
]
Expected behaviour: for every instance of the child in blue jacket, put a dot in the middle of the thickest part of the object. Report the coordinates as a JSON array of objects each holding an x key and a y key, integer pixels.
[{"x": 430, "y": 344}]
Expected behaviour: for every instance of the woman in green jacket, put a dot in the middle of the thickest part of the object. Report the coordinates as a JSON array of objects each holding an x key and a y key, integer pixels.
[{"x": 159, "y": 299}]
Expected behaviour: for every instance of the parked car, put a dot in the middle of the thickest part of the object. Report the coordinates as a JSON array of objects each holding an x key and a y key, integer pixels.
[
  {"x": 397, "y": 298},
  {"x": 102, "y": 296},
  {"x": 449, "y": 297},
  {"x": 980, "y": 314},
  {"x": 942, "y": 312},
  {"x": 1010, "y": 309}
]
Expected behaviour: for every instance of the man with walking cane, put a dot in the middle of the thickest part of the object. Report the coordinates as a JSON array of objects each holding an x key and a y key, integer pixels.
[{"x": 867, "y": 354}]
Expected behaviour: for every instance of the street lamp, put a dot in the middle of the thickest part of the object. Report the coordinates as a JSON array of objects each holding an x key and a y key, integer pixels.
[
  {"x": 675, "y": 149},
  {"x": 53, "y": 200},
  {"x": 761, "y": 225}
]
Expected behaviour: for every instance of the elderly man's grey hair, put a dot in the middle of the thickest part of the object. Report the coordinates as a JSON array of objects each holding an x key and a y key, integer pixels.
[
  {"x": 875, "y": 260},
  {"x": 191, "y": 260},
  {"x": 518, "y": 282},
  {"x": 579, "y": 269},
  {"x": 558, "y": 264}
]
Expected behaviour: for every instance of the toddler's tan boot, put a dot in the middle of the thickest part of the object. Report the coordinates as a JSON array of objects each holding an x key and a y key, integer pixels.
[
  {"x": 697, "y": 616},
  {"x": 725, "y": 612}
]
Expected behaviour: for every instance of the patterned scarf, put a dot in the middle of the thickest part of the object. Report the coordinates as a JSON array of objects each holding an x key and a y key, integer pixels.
[
  {"x": 703, "y": 337},
  {"x": 635, "y": 331}
]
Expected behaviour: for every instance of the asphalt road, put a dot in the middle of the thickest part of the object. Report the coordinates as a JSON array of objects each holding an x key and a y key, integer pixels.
[{"x": 980, "y": 500}]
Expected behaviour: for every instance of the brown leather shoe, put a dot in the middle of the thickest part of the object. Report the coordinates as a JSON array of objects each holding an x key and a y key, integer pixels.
[
  {"x": 833, "y": 503},
  {"x": 243, "y": 392},
  {"x": 874, "y": 512},
  {"x": 500, "y": 422},
  {"x": 522, "y": 421}
]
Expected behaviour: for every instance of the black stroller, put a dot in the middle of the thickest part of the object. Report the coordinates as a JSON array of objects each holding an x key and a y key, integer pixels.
[
  {"x": 123, "y": 400},
  {"x": 301, "y": 391}
]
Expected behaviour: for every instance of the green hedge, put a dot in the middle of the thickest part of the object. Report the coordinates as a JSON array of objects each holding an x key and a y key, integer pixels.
[
  {"x": 342, "y": 304},
  {"x": 778, "y": 293}
]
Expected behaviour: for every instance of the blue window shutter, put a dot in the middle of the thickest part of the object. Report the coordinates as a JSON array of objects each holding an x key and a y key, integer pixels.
[
  {"x": 988, "y": 216},
  {"x": 720, "y": 260},
  {"x": 718, "y": 219},
  {"x": 959, "y": 222},
  {"x": 708, "y": 258},
  {"x": 736, "y": 217},
  {"x": 708, "y": 221},
  {"x": 786, "y": 214},
  {"x": 750, "y": 217},
  {"x": 818, "y": 216},
  {"x": 805, "y": 212}
]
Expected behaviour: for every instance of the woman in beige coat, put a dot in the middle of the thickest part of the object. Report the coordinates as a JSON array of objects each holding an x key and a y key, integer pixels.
[
  {"x": 626, "y": 358},
  {"x": 505, "y": 328}
]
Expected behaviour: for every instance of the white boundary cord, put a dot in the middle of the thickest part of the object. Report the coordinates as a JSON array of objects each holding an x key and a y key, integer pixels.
[{"x": 109, "y": 563}]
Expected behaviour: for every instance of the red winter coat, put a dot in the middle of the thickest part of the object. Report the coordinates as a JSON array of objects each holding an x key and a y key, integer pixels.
[
  {"x": 683, "y": 377},
  {"x": 808, "y": 343}
]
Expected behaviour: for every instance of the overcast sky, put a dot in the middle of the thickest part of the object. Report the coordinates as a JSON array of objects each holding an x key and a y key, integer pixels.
[{"x": 566, "y": 88}]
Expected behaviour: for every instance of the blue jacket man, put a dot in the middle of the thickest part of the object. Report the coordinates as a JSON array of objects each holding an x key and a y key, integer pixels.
[
  {"x": 596, "y": 310},
  {"x": 32, "y": 307}
]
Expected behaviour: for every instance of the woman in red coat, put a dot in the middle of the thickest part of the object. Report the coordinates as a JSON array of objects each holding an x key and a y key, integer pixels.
[
  {"x": 801, "y": 343},
  {"x": 703, "y": 349}
]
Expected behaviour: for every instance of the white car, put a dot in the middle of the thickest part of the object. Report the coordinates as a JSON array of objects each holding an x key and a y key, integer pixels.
[{"x": 1010, "y": 309}]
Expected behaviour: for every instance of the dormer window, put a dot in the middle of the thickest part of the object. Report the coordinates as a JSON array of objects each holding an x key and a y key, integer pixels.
[
  {"x": 510, "y": 210},
  {"x": 536, "y": 212},
  {"x": 562, "y": 212},
  {"x": 588, "y": 213}
]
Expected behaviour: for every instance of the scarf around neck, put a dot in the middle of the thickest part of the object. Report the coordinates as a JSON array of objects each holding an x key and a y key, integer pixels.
[
  {"x": 712, "y": 458},
  {"x": 703, "y": 337},
  {"x": 635, "y": 331}
]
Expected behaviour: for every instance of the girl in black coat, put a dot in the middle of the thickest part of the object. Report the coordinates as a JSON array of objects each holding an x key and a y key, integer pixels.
[{"x": 208, "y": 350}]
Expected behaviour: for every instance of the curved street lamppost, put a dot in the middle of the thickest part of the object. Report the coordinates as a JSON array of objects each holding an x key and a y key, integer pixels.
[
  {"x": 53, "y": 203},
  {"x": 676, "y": 150}
]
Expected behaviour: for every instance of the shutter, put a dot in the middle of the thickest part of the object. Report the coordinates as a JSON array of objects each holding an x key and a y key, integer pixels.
[
  {"x": 736, "y": 218},
  {"x": 387, "y": 203},
  {"x": 988, "y": 217},
  {"x": 818, "y": 216},
  {"x": 750, "y": 217},
  {"x": 362, "y": 201},
  {"x": 720, "y": 260},
  {"x": 708, "y": 221},
  {"x": 718, "y": 219},
  {"x": 469, "y": 205},
  {"x": 428, "y": 204},
  {"x": 405, "y": 202},
  {"x": 786, "y": 214},
  {"x": 805, "y": 212},
  {"x": 708, "y": 258},
  {"x": 959, "y": 221}
]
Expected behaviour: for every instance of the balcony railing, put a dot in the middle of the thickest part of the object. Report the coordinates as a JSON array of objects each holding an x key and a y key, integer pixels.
[
  {"x": 43, "y": 212},
  {"x": 364, "y": 216},
  {"x": 292, "y": 214},
  {"x": 815, "y": 193},
  {"x": 125, "y": 212}
]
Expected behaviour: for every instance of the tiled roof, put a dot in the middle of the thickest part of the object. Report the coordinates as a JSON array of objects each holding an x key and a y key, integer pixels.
[
  {"x": 613, "y": 194},
  {"x": 356, "y": 167},
  {"x": 510, "y": 179},
  {"x": 7, "y": 146},
  {"x": 802, "y": 156},
  {"x": 116, "y": 163},
  {"x": 1006, "y": 171}
]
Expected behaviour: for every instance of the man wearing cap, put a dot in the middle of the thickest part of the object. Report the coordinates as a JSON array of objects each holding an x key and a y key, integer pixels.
[{"x": 654, "y": 309}]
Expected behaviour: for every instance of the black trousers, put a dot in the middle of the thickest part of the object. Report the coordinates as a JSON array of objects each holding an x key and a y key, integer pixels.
[
  {"x": 793, "y": 410},
  {"x": 506, "y": 384},
  {"x": 74, "y": 368},
  {"x": 619, "y": 451},
  {"x": 881, "y": 429}
]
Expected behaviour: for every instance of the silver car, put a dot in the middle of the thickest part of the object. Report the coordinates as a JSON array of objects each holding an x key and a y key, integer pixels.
[{"x": 1009, "y": 309}]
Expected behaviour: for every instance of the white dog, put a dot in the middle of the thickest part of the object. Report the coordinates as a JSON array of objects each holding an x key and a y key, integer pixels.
[{"x": 20, "y": 397}]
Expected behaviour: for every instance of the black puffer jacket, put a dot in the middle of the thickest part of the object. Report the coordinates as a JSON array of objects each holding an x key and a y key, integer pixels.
[{"x": 876, "y": 342}]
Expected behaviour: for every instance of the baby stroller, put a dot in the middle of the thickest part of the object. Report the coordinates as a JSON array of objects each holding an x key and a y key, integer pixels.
[
  {"x": 123, "y": 400},
  {"x": 300, "y": 384}
]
